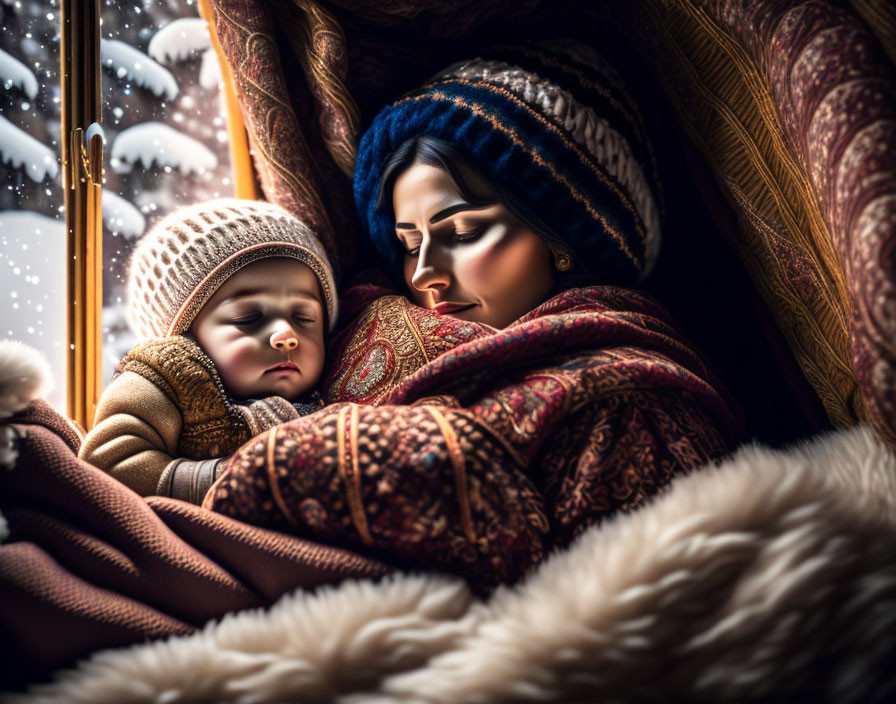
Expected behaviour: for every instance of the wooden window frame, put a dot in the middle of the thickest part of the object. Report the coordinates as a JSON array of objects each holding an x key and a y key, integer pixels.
[
  {"x": 82, "y": 162},
  {"x": 82, "y": 176}
]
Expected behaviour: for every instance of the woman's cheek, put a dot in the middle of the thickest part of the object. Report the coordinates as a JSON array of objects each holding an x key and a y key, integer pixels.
[{"x": 492, "y": 265}]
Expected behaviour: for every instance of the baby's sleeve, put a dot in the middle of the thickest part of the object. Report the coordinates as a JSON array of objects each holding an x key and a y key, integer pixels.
[{"x": 135, "y": 433}]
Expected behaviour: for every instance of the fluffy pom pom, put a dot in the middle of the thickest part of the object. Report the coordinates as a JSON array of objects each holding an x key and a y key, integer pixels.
[{"x": 24, "y": 375}]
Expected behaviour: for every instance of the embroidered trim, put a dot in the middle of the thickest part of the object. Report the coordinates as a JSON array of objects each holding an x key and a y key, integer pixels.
[
  {"x": 351, "y": 475},
  {"x": 415, "y": 332},
  {"x": 272, "y": 477},
  {"x": 460, "y": 474}
]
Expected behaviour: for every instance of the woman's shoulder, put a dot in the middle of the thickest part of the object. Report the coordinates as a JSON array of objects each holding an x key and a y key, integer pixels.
[{"x": 599, "y": 299}]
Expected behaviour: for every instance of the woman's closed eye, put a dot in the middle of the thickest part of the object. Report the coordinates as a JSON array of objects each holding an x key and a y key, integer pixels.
[
  {"x": 467, "y": 234},
  {"x": 458, "y": 234},
  {"x": 411, "y": 244}
]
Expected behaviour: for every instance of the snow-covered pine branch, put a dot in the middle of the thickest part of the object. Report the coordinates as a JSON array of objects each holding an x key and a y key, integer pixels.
[
  {"x": 128, "y": 62},
  {"x": 14, "y": 73},
  {"x": 177, "y": 40},
  {"x": 20, "y": 149},
  {"x": 210, "y": 76},
  {"x": 156, "y": 142},
  {"x": 122, "y": 216}
]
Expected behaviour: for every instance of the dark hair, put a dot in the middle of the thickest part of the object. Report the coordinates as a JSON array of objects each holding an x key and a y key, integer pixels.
[{"x": 445, "y": 155}]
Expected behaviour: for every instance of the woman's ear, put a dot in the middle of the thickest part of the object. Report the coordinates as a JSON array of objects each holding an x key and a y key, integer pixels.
[{"x": 562, "y": 260}]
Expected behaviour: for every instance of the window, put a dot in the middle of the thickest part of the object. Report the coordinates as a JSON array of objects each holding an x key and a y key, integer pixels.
[
  {"x": 166, "y": 145},
  {"x": 166, "y": 135},
  {"x": 32, "y": 222}
]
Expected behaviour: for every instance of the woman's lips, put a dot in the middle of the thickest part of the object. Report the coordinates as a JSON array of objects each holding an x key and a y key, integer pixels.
[
  {"x": 449, "y": 308},
  {"x": 288, "y": 367}
]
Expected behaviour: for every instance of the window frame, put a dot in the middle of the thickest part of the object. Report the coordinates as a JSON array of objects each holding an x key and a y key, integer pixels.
[{"x": 82, "y": 162}]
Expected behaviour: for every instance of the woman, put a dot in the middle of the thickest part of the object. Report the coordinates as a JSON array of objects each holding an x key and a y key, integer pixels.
[{"x": 516, "y": 398}]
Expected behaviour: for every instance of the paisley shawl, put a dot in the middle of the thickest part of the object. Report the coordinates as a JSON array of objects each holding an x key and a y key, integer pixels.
[{"x": 451, "y": 445}]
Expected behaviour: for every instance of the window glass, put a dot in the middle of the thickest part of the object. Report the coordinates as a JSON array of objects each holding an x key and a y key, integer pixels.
[
  {"x": 166, "y": 146},
  {"x": 32, "y": 225},
  {"x": 166, "y": 135}
]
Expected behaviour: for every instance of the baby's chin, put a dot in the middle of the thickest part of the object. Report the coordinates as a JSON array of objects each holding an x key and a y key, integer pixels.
[
  {"x": 291, "y": 392},
  {"x": 285, "y": 388}
]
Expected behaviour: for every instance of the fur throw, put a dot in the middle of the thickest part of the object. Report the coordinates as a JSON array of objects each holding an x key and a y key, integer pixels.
[
  {"x": 771, "y": 577},
  {"x": 24, "y": 375}
]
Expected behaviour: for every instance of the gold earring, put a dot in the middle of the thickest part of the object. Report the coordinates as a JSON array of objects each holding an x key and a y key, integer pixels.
[{"x": 562, "y": 260}]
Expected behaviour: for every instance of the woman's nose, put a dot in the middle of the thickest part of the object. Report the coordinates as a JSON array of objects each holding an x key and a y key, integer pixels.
[
  {"x": 431, "y": 271},
  {"x": 284, "y": 338}
]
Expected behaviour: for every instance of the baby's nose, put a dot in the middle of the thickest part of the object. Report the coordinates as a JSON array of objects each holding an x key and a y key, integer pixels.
[{"x": 284, "y": 339}]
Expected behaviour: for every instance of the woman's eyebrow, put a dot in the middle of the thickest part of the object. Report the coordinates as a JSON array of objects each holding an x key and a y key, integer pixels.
[
  {"x": 452, "y": 209},
  {"x": 442, "y": 214}
]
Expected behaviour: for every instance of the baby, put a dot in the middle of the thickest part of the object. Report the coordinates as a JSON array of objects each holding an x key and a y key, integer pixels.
[{"x": 231, "y": 299}]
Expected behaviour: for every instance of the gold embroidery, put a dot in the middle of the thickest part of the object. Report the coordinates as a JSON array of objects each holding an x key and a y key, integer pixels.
[
  {"x": 740, "y": 134},
  {"x": 350, "y": 472},
  {"x": 460, "y": 476},
  {"x": 273, "y": 481}
]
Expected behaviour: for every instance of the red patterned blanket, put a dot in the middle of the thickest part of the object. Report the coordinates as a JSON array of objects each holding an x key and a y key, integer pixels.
[{"x": 485, "y": 448}]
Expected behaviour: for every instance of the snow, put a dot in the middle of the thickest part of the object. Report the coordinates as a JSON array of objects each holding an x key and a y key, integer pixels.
[
  {"x": 128, "y": 62},
  {"x": 122, "y": 216},
  {"x": 210, "y": 76},
  {"x": 32, "y": 286},
  {"x": 18, "y": 149},
  {"x": 14, "y": 73},
  {"x": 177, "y": 40},
  {"x": 156, "y": 143}
]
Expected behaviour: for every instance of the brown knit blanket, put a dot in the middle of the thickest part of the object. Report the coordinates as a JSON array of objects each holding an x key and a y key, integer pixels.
[{"x": 89, "y": 564}]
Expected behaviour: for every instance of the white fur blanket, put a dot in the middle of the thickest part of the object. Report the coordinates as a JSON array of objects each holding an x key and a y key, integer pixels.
[{"x": 769, "y": 578}]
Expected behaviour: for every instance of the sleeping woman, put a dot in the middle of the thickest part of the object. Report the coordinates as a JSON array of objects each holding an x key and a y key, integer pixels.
[{"x": 520, "y": 390}]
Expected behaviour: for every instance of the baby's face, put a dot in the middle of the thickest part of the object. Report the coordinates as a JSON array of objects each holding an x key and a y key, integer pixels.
[{"x": 264, "y": 330}]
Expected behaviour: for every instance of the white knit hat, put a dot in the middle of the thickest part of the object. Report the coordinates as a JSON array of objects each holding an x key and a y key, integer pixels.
[{"x": 191, "y": 252}]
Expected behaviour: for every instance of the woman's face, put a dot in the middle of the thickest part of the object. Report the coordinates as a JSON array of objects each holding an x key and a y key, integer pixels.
[{"x": 477, "y": 263}]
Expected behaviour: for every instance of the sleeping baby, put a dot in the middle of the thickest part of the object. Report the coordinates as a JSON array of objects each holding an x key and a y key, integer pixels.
[{"x": 230, "y": 299}]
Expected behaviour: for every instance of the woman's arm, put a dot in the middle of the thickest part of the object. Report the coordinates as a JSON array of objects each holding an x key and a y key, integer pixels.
[
  {"x": 429, "y": 486},
  {"x": 618, "y": 452}
]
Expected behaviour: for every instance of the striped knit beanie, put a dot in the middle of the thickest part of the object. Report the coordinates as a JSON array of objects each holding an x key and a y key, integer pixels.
[
  {"x": 552, "y": 124},
  {"x": 188, "y": 254}
]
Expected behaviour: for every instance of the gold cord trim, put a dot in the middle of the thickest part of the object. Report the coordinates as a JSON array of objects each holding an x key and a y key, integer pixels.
[
  {"x": 415, "y": 332},
  {"x": 460, "y": 474},
  {"x": 351, "y": 475},
  {"x": 272, "y": 476}
]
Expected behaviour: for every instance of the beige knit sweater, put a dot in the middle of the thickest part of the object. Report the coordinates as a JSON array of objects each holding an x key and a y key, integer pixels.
[{"x": 167, "y": 405}]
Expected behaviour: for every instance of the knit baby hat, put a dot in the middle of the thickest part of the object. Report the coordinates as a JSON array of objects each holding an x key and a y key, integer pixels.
[
  {"x": 188, "y": 254},
  {"x": 551, "y": 123}
]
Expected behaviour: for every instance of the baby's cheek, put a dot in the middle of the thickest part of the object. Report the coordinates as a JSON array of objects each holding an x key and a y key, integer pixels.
[{"x": 237, "y": 362}]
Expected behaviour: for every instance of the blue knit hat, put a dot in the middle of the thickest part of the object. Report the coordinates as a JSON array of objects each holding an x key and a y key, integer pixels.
[{"x": 552, "y": 124}]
